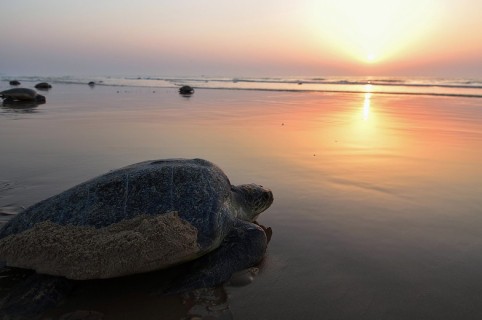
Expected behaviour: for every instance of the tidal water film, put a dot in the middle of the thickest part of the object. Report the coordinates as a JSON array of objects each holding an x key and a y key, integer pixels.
[{"x": 377, "y": 210}]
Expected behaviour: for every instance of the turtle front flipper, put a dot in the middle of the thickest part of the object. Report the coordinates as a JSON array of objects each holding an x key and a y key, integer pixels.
[{"x": 243, "y": 247}]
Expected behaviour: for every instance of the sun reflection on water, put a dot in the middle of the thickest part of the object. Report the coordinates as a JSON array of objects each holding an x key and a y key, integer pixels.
[{"x": 366, "y": 106}]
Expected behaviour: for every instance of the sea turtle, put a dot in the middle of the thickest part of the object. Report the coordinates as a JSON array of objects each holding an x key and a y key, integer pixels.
[
  {"x": 43, "y": 86},
  {"x": 21, "y": 94},
  {"x": 143, "y": 217},
  {"x": 186, "y": 90}
]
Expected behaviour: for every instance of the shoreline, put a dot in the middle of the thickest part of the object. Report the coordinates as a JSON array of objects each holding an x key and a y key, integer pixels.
[{"x": 407, "y": 86}]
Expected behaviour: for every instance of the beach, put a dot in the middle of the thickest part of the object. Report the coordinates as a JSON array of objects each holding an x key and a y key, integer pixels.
[{"x": 377, "y": 210}]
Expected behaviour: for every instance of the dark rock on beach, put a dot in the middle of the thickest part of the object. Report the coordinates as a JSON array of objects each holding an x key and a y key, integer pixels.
[
  {"x": 91, "y": 84},
  {"x": 14, "y": 83}
]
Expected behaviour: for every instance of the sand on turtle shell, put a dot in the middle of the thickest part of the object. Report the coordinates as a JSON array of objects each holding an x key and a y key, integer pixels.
[{"x": 144, "y": 243}]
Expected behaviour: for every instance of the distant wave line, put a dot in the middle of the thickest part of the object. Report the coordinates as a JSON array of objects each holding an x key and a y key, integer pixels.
[
  {"x": 321, "y": 81},
  {"x": 346, "y": 86},
  {"x": 466, "y": 84},
  {"x": 459, "y": 95}
]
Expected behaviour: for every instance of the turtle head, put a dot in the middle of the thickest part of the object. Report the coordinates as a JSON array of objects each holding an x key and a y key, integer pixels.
[
  {"x": 40, "y": 98},
  {"x": 252, "y": 199}
]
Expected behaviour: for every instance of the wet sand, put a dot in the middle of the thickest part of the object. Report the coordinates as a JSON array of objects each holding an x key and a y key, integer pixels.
[{"x": 377, "y": 197}]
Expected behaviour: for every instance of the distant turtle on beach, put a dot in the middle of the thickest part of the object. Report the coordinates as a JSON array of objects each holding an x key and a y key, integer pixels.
[
  {"x": 186, "y": 90},
  {"x": 21, "y": 95},
  {"x": 143, "y": 217},
  {"x": 43, "y": 86}
]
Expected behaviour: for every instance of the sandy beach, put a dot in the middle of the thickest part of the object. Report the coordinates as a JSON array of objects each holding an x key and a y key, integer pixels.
[{"x": 377, "y": 210}]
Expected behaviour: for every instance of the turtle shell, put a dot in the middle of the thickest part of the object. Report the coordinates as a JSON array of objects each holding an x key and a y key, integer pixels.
[
  {"x": 139, "y": 218},
  {"x": 22, "y": 94},
  {"x": 196, "y": 189}
]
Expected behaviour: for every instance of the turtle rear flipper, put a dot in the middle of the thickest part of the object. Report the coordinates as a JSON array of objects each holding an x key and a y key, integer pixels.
[{"x": 242, "y": 248}]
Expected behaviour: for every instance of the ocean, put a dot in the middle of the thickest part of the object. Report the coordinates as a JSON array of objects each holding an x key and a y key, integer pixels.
[
  {"x": 390, "y": 85},
  {"x": 377, "y": 209}
]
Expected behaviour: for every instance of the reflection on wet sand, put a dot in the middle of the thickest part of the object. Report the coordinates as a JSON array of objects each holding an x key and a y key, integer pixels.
[
  {"x": 8, "y": 209},
  {"x": 366, "y": 106},
  {"x": 20, "y": 106},
  {"x": 135, "y": 297}
]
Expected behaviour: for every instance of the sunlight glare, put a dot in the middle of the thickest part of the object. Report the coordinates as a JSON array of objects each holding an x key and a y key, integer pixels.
[{"x": 371, "y": 31}]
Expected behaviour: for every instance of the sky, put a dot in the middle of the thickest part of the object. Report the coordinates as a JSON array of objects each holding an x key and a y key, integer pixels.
[{"x": 242, "y": 38}]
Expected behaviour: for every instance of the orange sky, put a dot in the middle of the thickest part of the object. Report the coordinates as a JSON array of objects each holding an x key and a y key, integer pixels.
[{"x": 214, "y": 37}]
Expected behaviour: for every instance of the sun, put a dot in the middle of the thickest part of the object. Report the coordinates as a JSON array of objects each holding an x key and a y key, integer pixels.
[{"x": 371, "y": 58}]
